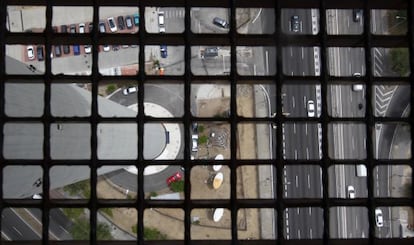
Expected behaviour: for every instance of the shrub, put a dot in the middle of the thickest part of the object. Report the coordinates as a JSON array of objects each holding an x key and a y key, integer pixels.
[{"x": 110, "y": 88}]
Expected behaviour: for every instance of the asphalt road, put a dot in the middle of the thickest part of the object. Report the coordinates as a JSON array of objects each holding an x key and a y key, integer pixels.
[
  {"x": 14, "y": 228},
  {"x": 59, "y": 224}
]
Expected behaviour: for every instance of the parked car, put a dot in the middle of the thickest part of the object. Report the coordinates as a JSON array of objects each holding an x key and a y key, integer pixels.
[
  {"x": 76, "y": 49},
  {"x": 115, "y": 47},
  {"x": 220, "y": 22},
  {"x": 194, "y": 147},
  {"x": 351, "y": 191},
  {"x": 311, "y": 108},
  {"x": 295, "y": 23},
  {"x": 72, "y": 29},
  {"x": 58, "y": 50},
  {"x": 121, "y": 22},
  {"x": 111, "y": 23},
  {"x": 88, "y": 49},
  {"x": 40, "y": 53},
  {"x": 357, "y": 15},
  {"x": 174, "y": 178},
  {"x": 55, "y": 29},
  {"x": 161, "y": 21},
  {"x": 379, "y": 219},
  {"x": 106, "y": 48},
  {"x": 102, "y": 28},
  {"x": 90, "y": 27},
  {"x": 136, "y": 19},
  {"x": 163, "y": 51},
  {"x": 130, "y": 90},
  {"x": 30, "y": 52},
  {"x": 66, "y": 48},
  {"x": 81, "y": 28},
  {"x": 128, "y": 21}
]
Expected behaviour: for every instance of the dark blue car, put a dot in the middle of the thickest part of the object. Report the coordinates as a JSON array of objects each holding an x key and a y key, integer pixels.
[
  {"x": 163, "y": 50},
  {"x": 76, "y": 49}
]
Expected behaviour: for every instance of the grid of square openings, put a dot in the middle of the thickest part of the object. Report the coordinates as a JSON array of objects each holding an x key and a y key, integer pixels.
[{"x": 275, "y": 123}]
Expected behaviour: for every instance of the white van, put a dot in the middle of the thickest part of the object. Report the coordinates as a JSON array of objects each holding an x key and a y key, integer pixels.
[
  {"x": 161, "y": 21},
  {"x": 361, "y": 170}
]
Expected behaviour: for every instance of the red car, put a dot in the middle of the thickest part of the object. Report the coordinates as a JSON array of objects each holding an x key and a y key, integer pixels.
[{"x": 174, "y": 178}]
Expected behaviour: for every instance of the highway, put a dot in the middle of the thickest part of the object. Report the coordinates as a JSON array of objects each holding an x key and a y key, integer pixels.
[{"x": 15, "y": 228}]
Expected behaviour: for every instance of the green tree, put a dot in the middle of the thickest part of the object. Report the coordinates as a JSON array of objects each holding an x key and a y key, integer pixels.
[
  {"x": 177, "y": 186},
  {"x": 79, "y": 188},
  {"x": 400, "y": 61},
  {"x": 73, "y": 213},
  {"x": 201, "y": 128},
  {"x": 202, "y": 139},
  {"x": 153, "y": 234},
  {"x": 107, "y": 211},
  {"x": 110, "y": 88},
  {"x": 80, "y": 230}
]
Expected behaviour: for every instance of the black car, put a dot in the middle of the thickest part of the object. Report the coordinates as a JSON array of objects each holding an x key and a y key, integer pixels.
[
  {"x": 295, "y": 23},
  {"x": 63, "y": 29},
  {"x": 220, "y": 22},
  {"x": 357, "y": 14},
  {"x": 55, "y": 29},
  {"x": 40, "y": 56},
  {"x": 90, "y": 27},
  {"x": 128, "y": 21},
  {"x": 121, "y": 22}
]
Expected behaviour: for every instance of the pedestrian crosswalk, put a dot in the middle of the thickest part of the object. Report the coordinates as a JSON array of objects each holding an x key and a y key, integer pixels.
[{"x": 177, "y": 13}]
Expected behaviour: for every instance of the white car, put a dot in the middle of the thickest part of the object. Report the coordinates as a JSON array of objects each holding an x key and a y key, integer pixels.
[
  {"x": 130, "y": 90},
  {"x": 379, "y": 219},
  {"x": 106, "y": 48},
  {"x": 194, "y": 147},
  {"x": 30, "y": 52},
  {"x": 357, "y": 87},
  {"x": 88, "y": 49},
  {"x": 161, "y": 21},
  {"x": 81, "y": 28},
  {"x": 351, "y": 192},
  {"x": 112, "y": 25},
  {"x": 311, "y": 108}
]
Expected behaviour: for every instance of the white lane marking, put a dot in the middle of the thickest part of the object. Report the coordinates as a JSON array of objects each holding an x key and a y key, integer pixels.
[
  {"x": 292, "y": 73},
  {"x": 303, "y": 52},
  {"x": 293, "y": 102},
  {"x": 350, "y": 67},
  {"x": 353, "y": 143},
  {"x": 365, "y": 143},
  {"x": 307, "y": 153},
  {"x": 350, "y": 95},
  {"x": 347, "y": 19},
  {"x": 304, "y": 101},
  {"x": 309, "y": 181},
  {"x": 298, "y": 211},
  {"x": 310, "y": 211},
  {"x": 306, "y": 128},
  {"x": 303, "y": 73},
  {"x": 298, "y": 234},
  {"x": 294, "y": 128},
  {"x": 14, "y": 228},
  {"x": 291, "y": 51},
  {"x": 356, "y": 223},
  {"x": 296, "y": 154},
  {"x": 310, "y": 233},
  {"x": 61, "y": 227},
  {"x": 297, "y": 181}
]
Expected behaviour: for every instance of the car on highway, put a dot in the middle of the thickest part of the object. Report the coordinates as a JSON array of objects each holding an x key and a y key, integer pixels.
[
  {"x": 295, "y": 23},
  {"x": 351, "y": 191},
  {"x": 136, "y": 19},
  {"x": 311, "y": 108},
  {"x": 30, "y": 52},
  {"x": 161, "y": 21},
  {"x": 40, "y": 53},
  {"x": 81, "y": 28},
  {"x": 177, "y": 176},
  {"x": 220, "y": 22},
  {"x": 121, "y": 22},
  {"x": 379, "y": 219},
  {"x": 163, "y": 51},
  {"x": 128, "y": 22},
  {"x": 357, "y": 15},
  {"x": 111, "y": 24},
  {"x": 130, "y": 90},
  {"x": 194, "y": 138}
]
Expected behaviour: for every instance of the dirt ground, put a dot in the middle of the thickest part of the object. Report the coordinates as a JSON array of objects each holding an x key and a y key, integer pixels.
[{"x": 170, "y": 221}]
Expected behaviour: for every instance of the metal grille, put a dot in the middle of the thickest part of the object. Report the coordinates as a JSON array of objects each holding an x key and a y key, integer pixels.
[{"x": 279, "y": 40}]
